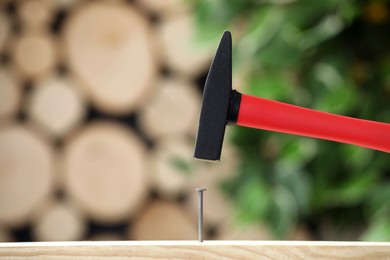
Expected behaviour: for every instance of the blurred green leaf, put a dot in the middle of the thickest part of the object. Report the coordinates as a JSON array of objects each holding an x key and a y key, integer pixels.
[
  {"x": 297, "y": 182},
  {"x": 283, "y": 212},
  {"x": 270, "y": 85},
  {"x": 253, "y": 199},
  {"x": 181, "y": 164},
  {"x": 352, "y": 190},
  {"x": 379, "y": 230}
]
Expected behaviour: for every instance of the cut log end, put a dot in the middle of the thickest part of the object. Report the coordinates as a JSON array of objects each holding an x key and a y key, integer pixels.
[
  {"x": 26, "y": 174},
  {"x": 172, "y": 166},
  {"x": 57, "y": 106},
  {"x": 105, "y": 171},
  {"x": 177, "y": 40},
  {"x": 35, "y": 14},
  {"x": 163, "y": 221},
  {"x": 166, "y": 7},
  {"x": 110, "y": 48},
  {"x": 5, "y": 236},
  {"x": 172, "y": 111},
  {"x": 4, "y": 30},
  {"x": 59, "y": 222},
  {"x": 34, "y": 54},
  {"x": 10, "y": 95}
]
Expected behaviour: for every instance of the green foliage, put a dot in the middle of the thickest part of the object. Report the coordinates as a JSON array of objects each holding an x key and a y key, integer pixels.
[
  {"x": 181, "y": 165},
  {"x": 327, "y": 55}
]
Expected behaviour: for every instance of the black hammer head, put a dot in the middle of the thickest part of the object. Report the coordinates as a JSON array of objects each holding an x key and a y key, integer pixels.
[{"x": 215, "y": 103}]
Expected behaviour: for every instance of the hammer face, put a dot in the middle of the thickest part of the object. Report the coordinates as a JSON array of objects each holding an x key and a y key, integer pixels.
[{"x": 215, "y": 103}]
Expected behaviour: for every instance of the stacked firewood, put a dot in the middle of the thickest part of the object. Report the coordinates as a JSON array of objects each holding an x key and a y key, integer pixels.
[{"x": 99, "y": 103}]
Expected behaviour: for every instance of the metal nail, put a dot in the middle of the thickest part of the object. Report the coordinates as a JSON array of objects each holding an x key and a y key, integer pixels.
[{"x": 200, "y": 213}]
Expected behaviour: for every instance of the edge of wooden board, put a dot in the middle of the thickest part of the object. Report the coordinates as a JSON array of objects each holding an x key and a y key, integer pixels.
[{"x": 196, "y": 250}]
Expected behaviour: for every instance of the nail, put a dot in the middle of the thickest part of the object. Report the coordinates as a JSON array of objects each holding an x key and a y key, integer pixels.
[{"x": 200, "y": 213}]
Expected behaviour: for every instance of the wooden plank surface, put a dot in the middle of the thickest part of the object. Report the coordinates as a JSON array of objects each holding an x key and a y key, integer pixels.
[{"x": 196, "y": 250}]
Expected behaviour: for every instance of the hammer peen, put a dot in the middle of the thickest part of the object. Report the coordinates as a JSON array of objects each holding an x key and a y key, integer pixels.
[{"x": 221, "y": 106}]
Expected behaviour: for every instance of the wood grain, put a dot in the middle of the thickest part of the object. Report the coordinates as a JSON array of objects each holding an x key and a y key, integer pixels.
[
  {"x": 172, "y": 166},
  {"x": 26, "y": 169},
  {"x": 196, "y": 250},
  {"x": 4, "y": 235},
  {"x": 35, "y": 14},
  {"x": 35, "y": 54},
  {"x": 4, "y": 30},
  {"x": 105, "y": 167},
  {"x": 110, "y": 47},
  {"x": 166, "y": 7},
  {"x": 10, "y": 95},
  {"x": 59, "y": 221},
  {"x": 57, "y": 106},
  {"x": 172, "y": 97},
  {"x": 163, "y": 221},
  {"x": 178, "y": 46}
]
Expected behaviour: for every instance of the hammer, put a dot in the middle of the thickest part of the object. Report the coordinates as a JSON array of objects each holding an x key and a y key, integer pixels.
[{"x": 221, "y": 106}]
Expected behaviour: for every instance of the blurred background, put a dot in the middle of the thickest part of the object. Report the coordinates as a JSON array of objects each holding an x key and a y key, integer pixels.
[{"x": 99, "y": 102}]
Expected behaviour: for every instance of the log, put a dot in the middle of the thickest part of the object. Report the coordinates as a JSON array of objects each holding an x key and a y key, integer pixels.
[
  {"x": 26, "y": 174},
  {"x": 59, "y": 222},
  {"x": 233, "y": 231},
  {"x": 172, "y": 111},
  {"x": 57, "y": 106},
  {"x": 34, "y": 54},
  {"x": 110, "y": 47},
  {"x": 217, "y": 207},
  {"x": 177, "y": 41},
  {"x": 175, "y": 172},
  {"x": 166, "y": 7},
  {"x": 10, "y": 95},
  {"x": 300, "y": 232},
  {"x": 163, "y": 221},
  {"x": 196, "y": 250},
  {"x": 68, "y": 4},
  {"x": 106, "y": 236},
  {"x": 4, "y": 235},
  {"x": 105, "y": 167},
  {"x": 173, "y": 166},
  {"x": 212, "y": 174},
  {"x": 4, "y": 30},
  {"x": 35, "y": 14}
]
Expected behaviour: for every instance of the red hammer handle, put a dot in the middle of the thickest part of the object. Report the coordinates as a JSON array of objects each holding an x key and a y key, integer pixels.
[{"x": 271, "y": 115}]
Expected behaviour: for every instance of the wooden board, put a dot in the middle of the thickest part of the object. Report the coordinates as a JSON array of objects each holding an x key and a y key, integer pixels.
[{"x": 197, "y": 250}]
